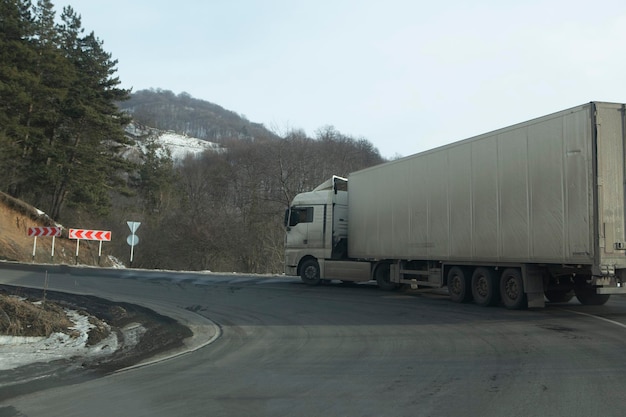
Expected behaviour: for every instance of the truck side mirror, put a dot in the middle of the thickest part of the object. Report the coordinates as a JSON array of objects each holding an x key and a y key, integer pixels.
[{"x": 287, "y": 219}]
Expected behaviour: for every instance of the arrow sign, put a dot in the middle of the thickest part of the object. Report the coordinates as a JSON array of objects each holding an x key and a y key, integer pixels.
[
  {"x": 132, "y": 240},
  {"x": 44, "y": 231},
  {"x": 90, "y": 234}
]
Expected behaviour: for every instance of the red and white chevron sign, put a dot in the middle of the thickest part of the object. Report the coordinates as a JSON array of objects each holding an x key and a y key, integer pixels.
[
  {"x": 89, "y": 234},
  {"x": 44, "y": 231}
]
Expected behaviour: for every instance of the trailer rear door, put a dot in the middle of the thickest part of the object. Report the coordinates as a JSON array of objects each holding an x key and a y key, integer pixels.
[{"x": 610, "y": 148}]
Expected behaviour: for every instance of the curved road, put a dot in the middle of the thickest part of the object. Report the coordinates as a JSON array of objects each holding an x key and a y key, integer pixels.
[{"x": 286, "y": 349}]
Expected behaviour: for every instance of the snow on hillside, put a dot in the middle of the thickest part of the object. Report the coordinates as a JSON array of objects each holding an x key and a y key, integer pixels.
[{"x": 179, "y": 145}]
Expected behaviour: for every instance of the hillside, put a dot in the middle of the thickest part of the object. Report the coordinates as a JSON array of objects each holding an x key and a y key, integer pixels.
[
  {"x": 185, "y": 115},
  {"x": 15, "y": 245},
  {"x": 178, "y": 145}
]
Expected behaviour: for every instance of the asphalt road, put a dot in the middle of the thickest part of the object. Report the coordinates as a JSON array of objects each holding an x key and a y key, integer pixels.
[{"x": 286, "y": 349}]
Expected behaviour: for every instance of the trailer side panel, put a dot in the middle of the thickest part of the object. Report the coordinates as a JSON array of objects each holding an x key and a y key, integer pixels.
[{"x": 519, "y": 194}]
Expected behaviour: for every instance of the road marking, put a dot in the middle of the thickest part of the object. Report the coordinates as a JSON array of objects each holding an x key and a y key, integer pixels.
[
  {"x": 276, "y": 280},
  {"x": 399, "y": 297},
  {"x": 210, "y": 280},
  {"x": 240, "y": 280},
  {"x": 597, "y": 317}
]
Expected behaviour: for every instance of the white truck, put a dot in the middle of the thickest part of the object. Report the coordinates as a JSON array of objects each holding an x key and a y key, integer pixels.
[{"x": 512, "y": 217}]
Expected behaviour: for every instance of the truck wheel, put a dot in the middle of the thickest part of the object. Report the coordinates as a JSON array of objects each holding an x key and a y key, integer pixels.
[
  {"x": 310, "y": 272},
  {"x": 559, "y": 296},
  {"x": 589, "y": 297},
  {"x": 458, "y": 285},
  {"x": 382, "y": 274},
  {"x": 512, "y": 289},
  {"x": 485, "y": 287}
]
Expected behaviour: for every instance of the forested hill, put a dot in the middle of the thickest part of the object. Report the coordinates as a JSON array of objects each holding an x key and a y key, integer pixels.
[
  {"x": 181, "y": 113},
  {"x": 65, "y": 144}
]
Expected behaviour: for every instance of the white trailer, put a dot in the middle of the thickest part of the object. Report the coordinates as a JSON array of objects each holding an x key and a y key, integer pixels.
[{"x": 529, "y": 211}]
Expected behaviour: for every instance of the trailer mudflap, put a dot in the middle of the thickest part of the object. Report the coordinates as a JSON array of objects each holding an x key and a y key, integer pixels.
[{"x": 533, "y": 286}]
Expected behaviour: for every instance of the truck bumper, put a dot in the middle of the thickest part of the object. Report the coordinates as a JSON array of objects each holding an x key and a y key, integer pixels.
[
  {"x": 611, "y": 290},
  {"x": 291, "y": 270}
]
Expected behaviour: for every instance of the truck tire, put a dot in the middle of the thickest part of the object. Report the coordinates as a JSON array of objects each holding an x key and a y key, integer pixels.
[
  {"x": 589, "y": 297},
  {"x": 310, "y": 272},
  {"x": 459, "y": 285},
  {"x": 382, "y": 275},
  {"x": 485, "y": 287},
  {"x": 559, "y": 296},
  {"x": 512, "y": 289}
]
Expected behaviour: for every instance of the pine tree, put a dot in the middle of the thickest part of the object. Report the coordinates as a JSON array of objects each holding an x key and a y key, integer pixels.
[
  {"x": 54, "y": 76},
  {"x": 92, "y": 125},
  {"x": 60, "y": 127},
  {"x": 17, "y": 57}
]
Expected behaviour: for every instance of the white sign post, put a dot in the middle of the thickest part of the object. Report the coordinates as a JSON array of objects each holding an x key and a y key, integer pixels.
[
  {"x": 35, "y": 247},
  {"x": 132, "y": 239}
]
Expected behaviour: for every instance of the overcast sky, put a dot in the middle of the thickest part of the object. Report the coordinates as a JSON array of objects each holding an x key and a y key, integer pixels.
[{"x": 407, "y": 75}]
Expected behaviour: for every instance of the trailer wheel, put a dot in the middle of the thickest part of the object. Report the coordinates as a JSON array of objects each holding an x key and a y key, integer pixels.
[
  {"x": 512, "y": 289},
  {"x": 459, "y": 285},
  {"x": 310, "y": 272},
  {"x": 559, "y": 296},
  {"x": 382, "y": 274},
  {"x": 589, "y": 297},
  {"x": 485, "y": 287}
]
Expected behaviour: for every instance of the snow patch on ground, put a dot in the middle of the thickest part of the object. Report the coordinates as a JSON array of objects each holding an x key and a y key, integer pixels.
[
  {"x": 16, "y": 351},
  {"x": 117, "y": 264}
]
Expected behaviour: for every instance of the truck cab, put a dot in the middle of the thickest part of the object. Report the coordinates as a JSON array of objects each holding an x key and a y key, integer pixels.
[{"x": 317, "y": 232}]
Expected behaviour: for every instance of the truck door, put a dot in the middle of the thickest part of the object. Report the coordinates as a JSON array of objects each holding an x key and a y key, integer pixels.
[
  {"x": 298, "y": 221},
  {"x": 340, "y": 232}
]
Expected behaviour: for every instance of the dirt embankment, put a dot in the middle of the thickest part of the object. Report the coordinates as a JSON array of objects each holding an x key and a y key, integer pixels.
[{"x": 15, "y": 245}]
